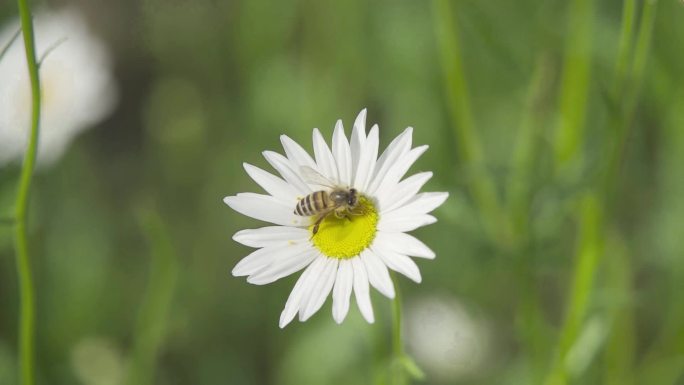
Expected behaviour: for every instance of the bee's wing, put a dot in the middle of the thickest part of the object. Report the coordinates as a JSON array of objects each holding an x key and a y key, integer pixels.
[{"x": 312, "y": 176}]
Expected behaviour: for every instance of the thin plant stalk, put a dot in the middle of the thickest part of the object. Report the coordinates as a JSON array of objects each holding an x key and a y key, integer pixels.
[
  {"x": 574, "y": 83},
  {"x": 589, "y": 252},
  {"x": 528, "y": 143},
  {"x": 622, "y": 120},
  {"x": 470, "y": 151},
  {"x": 157, "y": 301},
  {"x": 26, "y": 287},
  {"x": 402, "y": 368},
  {"x": 596, "y": 207},
  {"x": 398, "y": 374},
  {"x": 7, "y": 46},
  {"x": 530, "y": 323},
  {"x": 624, "y": 46},
  {"x": 668, "y": 344},
  {"x": 619, "y": 352},
  {"x": 568, "y": 143}
]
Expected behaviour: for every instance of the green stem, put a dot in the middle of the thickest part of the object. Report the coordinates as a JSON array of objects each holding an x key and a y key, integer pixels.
[
  {"x": 624, "y": 46},
  {"x": 663, "y": 361},
  {"x": 621, "y": 120},
  {"x": 530, "y": 322},
  {"x": 26, "y": 290},
  {"x": 589, "y": 251},
  {"x": 9, "y": 43},
  {"x": 157, "y": 300},
  {"x": 398, "y": 373},
  {"x": 574, "y": 83},
  {"x": 467, "y": 141},
  {"x": 597, "y": 205},
  {"x": 528, "y": 143},
  {"x": 641, "y": 50},
  {"x": 619, "y": 354}
]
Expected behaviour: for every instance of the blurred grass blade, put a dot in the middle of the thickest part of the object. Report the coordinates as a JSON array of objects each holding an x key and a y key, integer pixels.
[
  {"x": 9, "y": 43},
  {"x": 6, "y": 221},
  {"x": 589, "y": 250},
  {"x": 624, "y": 46},
  {"x": 622, "y": 120},
  {"x": 156, "y": 302},
  {"x": 530, "y": 323},
  {"x": 587, "y": 346},
  {"x": 467, "y": 142},
  {"x": 574, "y": 82},
  {"x": 412, "y": 368},
  {"x": 528, "y": 142},
  {"x": 49, "y": 50},
  {"x": 664, "y": 358},
  {"x": 641, "y": 53},
  {"x": 619, "y": 353}
]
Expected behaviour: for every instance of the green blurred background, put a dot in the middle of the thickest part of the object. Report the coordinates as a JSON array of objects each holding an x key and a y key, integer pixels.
[{"x": 562, "y": 152}]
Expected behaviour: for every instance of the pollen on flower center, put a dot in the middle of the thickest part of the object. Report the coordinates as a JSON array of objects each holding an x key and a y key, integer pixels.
[{"x": 347, "y": 237}]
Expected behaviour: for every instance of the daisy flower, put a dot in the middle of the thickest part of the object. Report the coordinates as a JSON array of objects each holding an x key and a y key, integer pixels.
[
  {"x": 352, "y": 250},
  {"x": 77, "y": 85}
]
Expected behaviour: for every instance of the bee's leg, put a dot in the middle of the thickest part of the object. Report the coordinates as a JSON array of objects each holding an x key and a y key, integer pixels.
[
  {"x": 342, "y": 213},
  {"x": 318, "y": 223}
]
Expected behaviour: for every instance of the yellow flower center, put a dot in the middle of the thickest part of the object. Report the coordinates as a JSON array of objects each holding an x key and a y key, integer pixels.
[{"x": 347, "y": 237}]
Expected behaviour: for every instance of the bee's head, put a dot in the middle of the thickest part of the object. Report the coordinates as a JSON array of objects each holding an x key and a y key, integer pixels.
[{"x": 352, "y": 198}]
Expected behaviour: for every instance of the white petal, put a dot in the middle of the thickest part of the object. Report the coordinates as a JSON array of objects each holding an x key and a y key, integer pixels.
[
  {"x": 266, "y": 208},
  {"x": 342, "y": 154},
  {"x": 301, "y": 290},
  {"x": 342, "y": 290},
  {"x": 367, "y": 158},
  {"x": 271, "y": 236},
  {"x": 399, "y": 147},
  {"x": 261, "y": 258},
  {"x": 402, "y": 243},
  {"x": 289, "y": 172},
  {"x": 324, "y": 157},
  {"x": 400, "y": 263},
  {"x": 358, "y": 140},
  {"x": 398, "y": 170},
  {"x": 422, "y": 203},
  {"x": 320, "y": 291},
  {"x": 378, "y": 276},
  {"x": 403, "y": 192},
  {"x": 361, "y": 290},
  {"x": 295, "y": 153},
  {"x": 396, "y": 223},
  {"x": 272, "y": 184},
  {"x": 284, "y": 265}
]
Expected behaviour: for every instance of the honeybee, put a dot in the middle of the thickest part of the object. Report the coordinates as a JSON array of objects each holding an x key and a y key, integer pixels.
[{"x": 340, "y": 201}]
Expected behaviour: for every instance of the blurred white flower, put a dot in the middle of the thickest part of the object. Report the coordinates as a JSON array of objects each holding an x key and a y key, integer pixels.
[
  {"x": 97, "y": 361},
  {"x": 447, "y": 341},
  {"x": 78, "y": 89},
  {"x": 353, "y": 247}
]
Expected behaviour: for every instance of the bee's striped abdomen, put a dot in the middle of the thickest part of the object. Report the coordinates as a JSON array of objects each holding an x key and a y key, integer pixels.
[{"x": 312, "y": 204}]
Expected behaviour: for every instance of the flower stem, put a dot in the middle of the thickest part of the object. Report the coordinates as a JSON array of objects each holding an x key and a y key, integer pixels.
[
  {"x": 398, "y": 374},
  {"x": 26, "y": 290}
]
